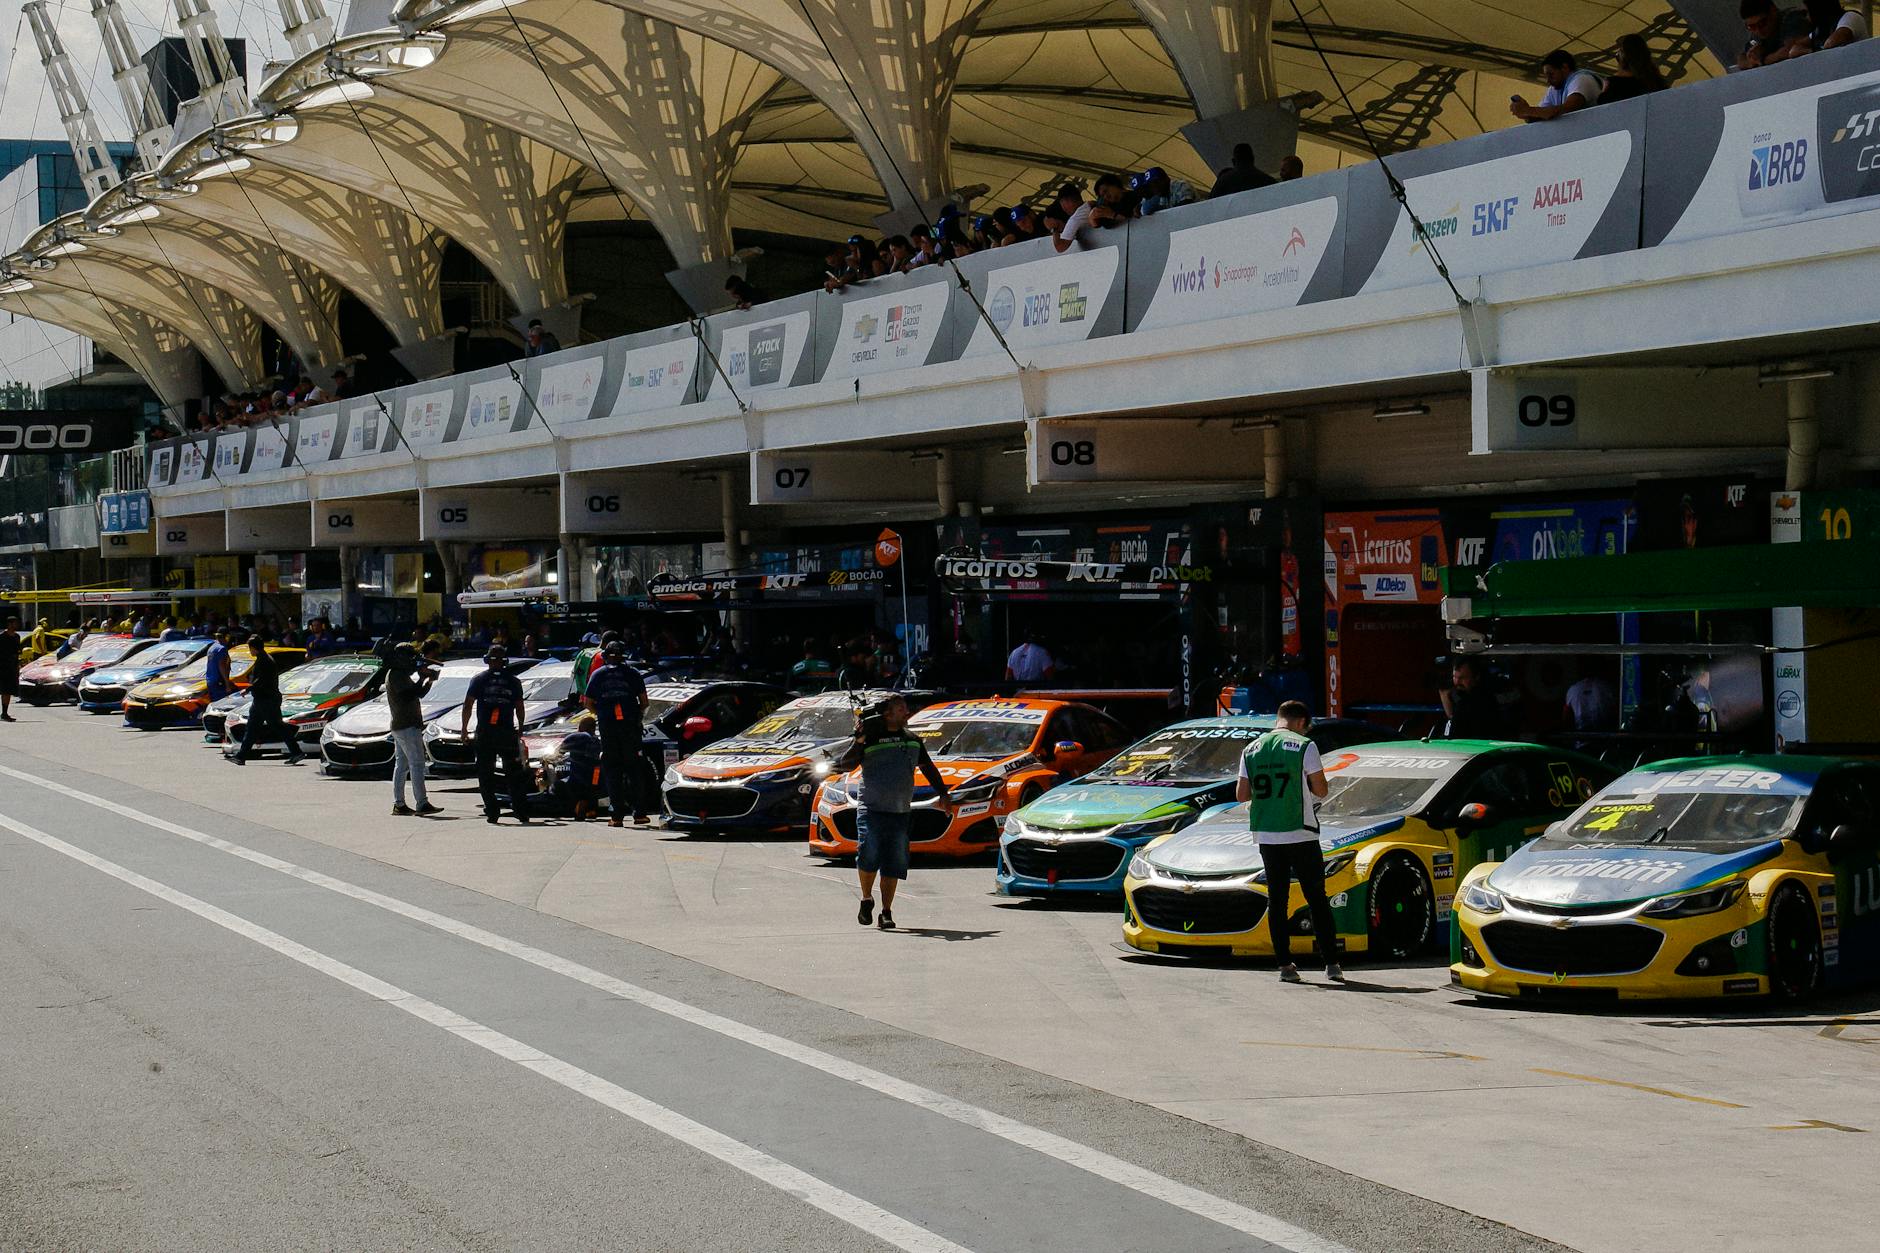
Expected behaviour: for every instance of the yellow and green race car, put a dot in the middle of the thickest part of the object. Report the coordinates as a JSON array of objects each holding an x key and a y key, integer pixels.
[
  {"x": 1402, "y": 823},
  {"x": 1701, "y": 876}
]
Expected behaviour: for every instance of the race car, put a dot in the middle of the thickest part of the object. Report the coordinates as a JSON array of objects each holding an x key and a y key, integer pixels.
[
  {"x": 547, "y": 693},
  {"x": 181, "y": 697},
  {"x": 104, "y": 689},
  {"x": 358, "y": 739},
  {"x": 1080, "y": 837},
  {"x": 763, "y": 778},
  {"x": 215, "y": 717},
  {"x": 56, "y": 678},
  {"x": 680, "y": 718},
  {"x": 996, "y": 756},
  {"x": 314, "y": 694},
  {"x": 1402, "y": 823},
  {"x": 1701, "y": 876},
  {"x": 53, "y": 639}
]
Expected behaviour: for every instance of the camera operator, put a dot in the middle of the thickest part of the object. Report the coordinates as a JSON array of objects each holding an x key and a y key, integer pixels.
[
  {"x": 407, "y": 678},
  {"x": 888, "y": 754}
]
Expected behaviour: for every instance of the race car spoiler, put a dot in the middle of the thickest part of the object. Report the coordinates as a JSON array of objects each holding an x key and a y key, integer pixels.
[
  {"x": 155, "y": 597},
  {"x": 497, "y": 597}
]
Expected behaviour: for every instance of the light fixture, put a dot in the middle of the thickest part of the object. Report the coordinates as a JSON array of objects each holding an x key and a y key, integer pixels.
[
  {"x": 1794, "y": 372},
  {"x": 554, "y": 577},
  {"x": 228, "y": 165},
  {"x": 141, "y": 211},
  {"x": 335, "y": 93},
  {"x": 1386, "y": 409}
]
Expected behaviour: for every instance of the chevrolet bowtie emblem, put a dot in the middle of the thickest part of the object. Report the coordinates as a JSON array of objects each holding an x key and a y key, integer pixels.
[
  {"x": 1561, "y": 924},
  {"x": 1189, "y": 887}
]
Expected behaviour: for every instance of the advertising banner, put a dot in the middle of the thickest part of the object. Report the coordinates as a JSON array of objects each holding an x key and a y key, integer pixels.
[
  {"x": 366, "y": 431},
  {"x": 1389, "y": 561},
  {"x": 1810, "y": 152},
  {"x": 1054, "y": 300},
  {"x": 124, "y": 513},
  {"x": 979, "y": 574},
  {"x": 315, "y": 439},
  {"x": 229, "y": 451},
  {"x": 1529, "y": 208},
  {"x": 270, "y": 446},
  {"x": 162, "y": 464},
  {"x": 192, "y": 460},
  {"x": 565, "y": 393},
  {"x": 658, "y": 376},
  {"x": 893, "y": 331},
  {"x": 762, "y": 356},
  {"x": 1242, "y": 265},
  {"x": 491, "y": 409},
  {"x": 425, "y": 420},
  {"x": 62, "y": 431}
]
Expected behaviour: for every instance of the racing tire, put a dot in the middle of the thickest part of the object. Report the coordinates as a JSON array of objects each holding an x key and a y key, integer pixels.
[
  {"x": 1794, "y": 945},
  {"x": 1029, "y": 793},
  {"x": 1402, "y": 910}
]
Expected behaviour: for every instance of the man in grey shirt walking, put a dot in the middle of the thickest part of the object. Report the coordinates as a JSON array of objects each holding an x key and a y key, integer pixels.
[
  {"x": 888, "y": 754},
  {"x": 407, "y": 679}
]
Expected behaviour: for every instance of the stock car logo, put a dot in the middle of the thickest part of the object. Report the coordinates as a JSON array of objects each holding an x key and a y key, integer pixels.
[
  {"x": 1848, "y": 123},
  {"x": 767, "y": 354}
]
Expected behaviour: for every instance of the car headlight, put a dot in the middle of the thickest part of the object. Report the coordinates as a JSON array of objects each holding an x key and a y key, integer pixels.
[
  {"x": 433, "y": 731},
  {"x": 1154, "y": 826},
  {"x": 672, "y": 778},
  {"x": 834, "y": 795},
  {"x": 1482, "y": 899},
  {"x": 975, "y": 789},
  {"x": 790, "y": 774},
  {"x": 1692, "y": 904},
  {"x": 1139, "y": 867},
  {"x": 327, "y": 734}
]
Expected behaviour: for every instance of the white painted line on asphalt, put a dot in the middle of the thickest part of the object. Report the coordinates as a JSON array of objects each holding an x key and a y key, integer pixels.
[
  {"x": 779, "y": 1174},
  {"x": 1139, "y": 1179}
]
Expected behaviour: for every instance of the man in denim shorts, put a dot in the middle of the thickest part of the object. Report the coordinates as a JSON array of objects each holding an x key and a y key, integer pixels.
[{"x": 889, "y": 754}]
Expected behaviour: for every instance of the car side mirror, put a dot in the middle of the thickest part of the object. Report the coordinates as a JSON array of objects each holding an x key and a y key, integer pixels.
[
  {"x": 1475, "y": 813},
  {"x": 1066, "y": 748},
  {"x": 694, "y": 727},
  {"x": 1847, "y": 840}
]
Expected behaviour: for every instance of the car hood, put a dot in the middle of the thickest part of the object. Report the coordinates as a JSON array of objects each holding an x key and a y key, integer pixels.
[
  {"x": 113, "y": 676},
  {"x": 1220, "y": 842},
  {"x": 231, "y": 703},
  {"x": 1557, "y": 872},
  {"x": 736, "y": 759},
  {"x": 1087, "y": 806},
  {"x": 159, "y": 687},
  {"x": 533, "y": 712}
]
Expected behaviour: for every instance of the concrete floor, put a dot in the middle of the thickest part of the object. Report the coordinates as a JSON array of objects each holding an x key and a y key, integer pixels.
[{"x": 1619, "y": 1130}]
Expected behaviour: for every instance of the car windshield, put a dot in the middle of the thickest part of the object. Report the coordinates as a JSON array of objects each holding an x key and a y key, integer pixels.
[
  {"x": 1181, "y": 755},
  {"x": 305, "y": 680},
  {"x": 546, "y": 687},
  {"x": 106, "y": 651},
  {"x": 975, "y": 737},
  {"x": 662, "y": 699},
  {"x": 195, "y": 671},
  {"x": 450, "y": 689},
  {"x": 1627, "y": 814},
  {"x": 1356, "y": 796},
  {"x": 168, "y": 654},
  {"x": 819, "y": 722}
]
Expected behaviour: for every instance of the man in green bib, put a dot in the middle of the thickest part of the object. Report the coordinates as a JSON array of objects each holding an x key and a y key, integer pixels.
[{"x": 1280, "y": 776}]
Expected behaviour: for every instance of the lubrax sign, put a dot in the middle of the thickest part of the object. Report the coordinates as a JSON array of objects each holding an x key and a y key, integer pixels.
[{"x": 57, "y": 431}]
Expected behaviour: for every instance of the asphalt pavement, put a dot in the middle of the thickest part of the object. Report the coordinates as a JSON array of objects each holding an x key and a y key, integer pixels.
[{"x": 217, "y": 1033}]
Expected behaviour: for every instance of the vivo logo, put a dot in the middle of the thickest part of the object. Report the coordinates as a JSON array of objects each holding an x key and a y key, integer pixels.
[{"x": 1195, "y": 280}]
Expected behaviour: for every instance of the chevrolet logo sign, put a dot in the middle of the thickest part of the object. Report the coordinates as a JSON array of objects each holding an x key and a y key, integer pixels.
[
  {"x": 1189, "y": 887},
  {"x": 1561, "y": 924},
  {"x": 1053, "y": 840}
]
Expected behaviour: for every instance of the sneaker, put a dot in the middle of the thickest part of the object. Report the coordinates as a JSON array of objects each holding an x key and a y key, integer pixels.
[
  {"x": 490, "y": 818},
  {"x": 236, "y": 758},
  {"x": 8, "y": 718},
  {"x": 427, "y": 809},
  {"x": 402, "y": 811},
  {"x": 886, "y": 921},
  {"x": 523, "y": 819},
  {"x": 640, "y": 820},
  {"x": 1335, "y": 972},
  {"x": 1289, "y": 974},
  {"x": 615, "y": 822},
  {"x": 866, "y": 914}
]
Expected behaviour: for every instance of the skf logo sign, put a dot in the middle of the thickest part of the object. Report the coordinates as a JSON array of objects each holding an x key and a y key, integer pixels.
[{"x": 1494, "y": 216}]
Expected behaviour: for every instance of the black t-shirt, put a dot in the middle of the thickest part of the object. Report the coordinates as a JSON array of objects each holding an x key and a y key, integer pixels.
[
  {"x": 616, "y": 692},
  {"x": 498, "y": 697},
  {"x": 404, "y": 692},
  {"x": 264, "y": 677},
  {"x": 9, "y": 650}
]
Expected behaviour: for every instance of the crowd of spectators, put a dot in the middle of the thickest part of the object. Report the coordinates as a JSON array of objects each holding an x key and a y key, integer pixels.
[{"x": 240, "y": 409}]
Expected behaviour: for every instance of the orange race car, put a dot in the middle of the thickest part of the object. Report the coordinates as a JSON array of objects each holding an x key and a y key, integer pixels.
[{"x": 997, "y": 755}]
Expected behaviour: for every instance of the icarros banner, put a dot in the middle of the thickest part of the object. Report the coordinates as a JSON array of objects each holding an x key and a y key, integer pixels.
[
  {"x": 1809, "y": 153},
  {"x": 759, "y": 356},
  {"x": 1527, "y": 209},
  {"x": 1053, "y": 301},
  {"x": 1242, "y": 265},
  {"x": 893, "y": 331}
]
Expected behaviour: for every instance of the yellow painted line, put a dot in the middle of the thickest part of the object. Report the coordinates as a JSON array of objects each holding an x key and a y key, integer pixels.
[
  {"x": 1636, "y": 1087},
  {"x": 1367, "y": 1048},
  {"x": 1836, "y": 1030},
  {"x": 1815, "y": 1124}
]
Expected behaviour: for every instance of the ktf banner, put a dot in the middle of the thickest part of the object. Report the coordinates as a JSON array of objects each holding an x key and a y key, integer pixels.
[
  {"x": 61, "y": 431},
  {"x": 978, "y": 573},
  {"x": 753, "y": 586}
]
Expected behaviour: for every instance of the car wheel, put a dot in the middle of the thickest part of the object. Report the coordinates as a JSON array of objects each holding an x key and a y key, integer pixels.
[
  {"x": 1029, "y": 793},
  {"x": 1794, "y": 944},
  {"x": 1403, "y": 909}
]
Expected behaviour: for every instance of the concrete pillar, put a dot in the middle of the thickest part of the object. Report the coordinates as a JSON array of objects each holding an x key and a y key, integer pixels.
[
  {"x": 1804, "y": 436},
  {"x": 567, "y": 568},
  {"x": 944, "y": 487},
  {"x": 348, "y": 583},
  {"x": 1273, "y": 441}
]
